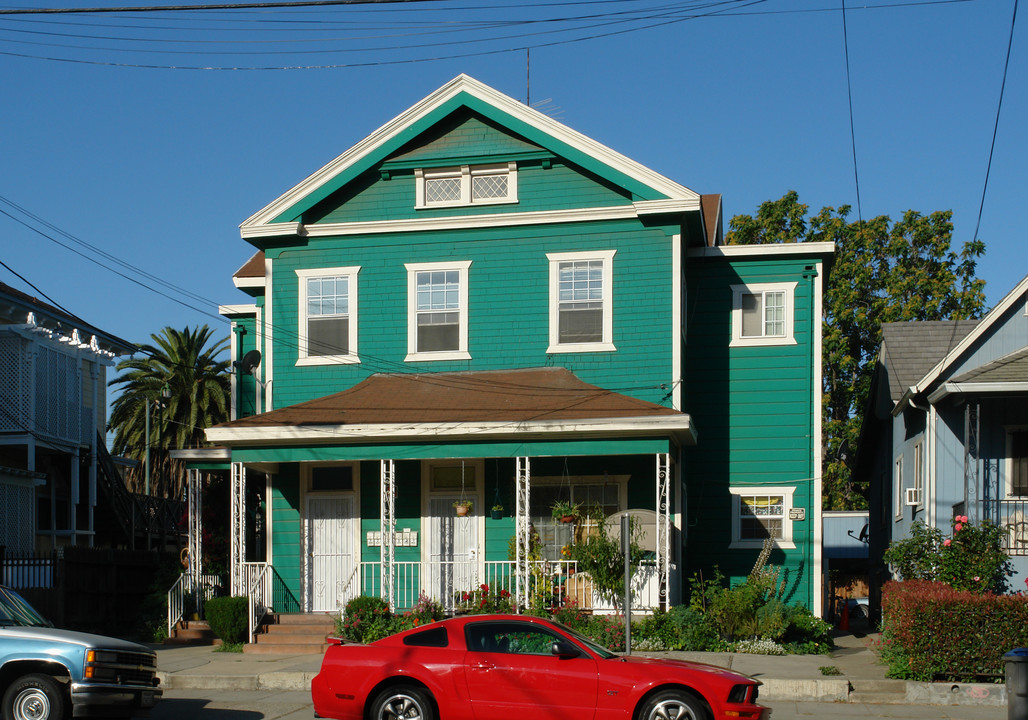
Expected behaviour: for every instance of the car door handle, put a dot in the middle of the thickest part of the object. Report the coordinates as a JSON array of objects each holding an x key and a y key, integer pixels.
[{"x": 483, "y": 666}]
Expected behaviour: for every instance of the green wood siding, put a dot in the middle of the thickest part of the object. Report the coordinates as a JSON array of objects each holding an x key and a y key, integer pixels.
[
  {"x": 508, "y": 301},
  {"x": 753, "y": 410},
  {"x": 286, "y": 541}
]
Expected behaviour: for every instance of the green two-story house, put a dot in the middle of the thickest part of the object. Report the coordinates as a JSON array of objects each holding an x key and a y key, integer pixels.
[{"x": 477, "y": 303}]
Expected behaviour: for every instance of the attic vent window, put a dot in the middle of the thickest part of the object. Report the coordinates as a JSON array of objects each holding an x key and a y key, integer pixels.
[{"x": 466, "y": 185}]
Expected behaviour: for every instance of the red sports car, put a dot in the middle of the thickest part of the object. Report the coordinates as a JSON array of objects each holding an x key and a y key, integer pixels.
[{"x": 489, "y": 667}]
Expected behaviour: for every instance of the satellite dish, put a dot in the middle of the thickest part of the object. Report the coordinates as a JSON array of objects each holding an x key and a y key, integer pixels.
[{"x": 249, "y": 363}]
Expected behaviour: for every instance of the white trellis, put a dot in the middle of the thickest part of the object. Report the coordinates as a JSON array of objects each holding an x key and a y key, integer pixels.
[
  {"x": 663, "y": 527},
  {"x": 521, "y": 528},
  {"x": 238, "y": 512},
  {"x": 388, "y": 518}
]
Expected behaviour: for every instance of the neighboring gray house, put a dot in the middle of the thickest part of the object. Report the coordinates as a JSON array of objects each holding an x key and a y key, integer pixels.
[{"x": 946, "y": 432}]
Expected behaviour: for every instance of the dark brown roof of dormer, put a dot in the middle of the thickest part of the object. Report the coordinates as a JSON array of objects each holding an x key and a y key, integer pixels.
[{"x": 254, "y": 267}]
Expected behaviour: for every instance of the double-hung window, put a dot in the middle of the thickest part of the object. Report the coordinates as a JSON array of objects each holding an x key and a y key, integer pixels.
[
  {"x": 328, "y": 315},
  {"x": 760, "y": 513},
  {"x": 763, "y": 314},
  {"x": 581, "y": 301},
  {"x": 437, "y": 311},
  {"x": 466, "y": 185}
]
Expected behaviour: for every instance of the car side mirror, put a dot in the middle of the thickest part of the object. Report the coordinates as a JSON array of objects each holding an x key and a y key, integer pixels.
[{"x": 564, "y": 649}]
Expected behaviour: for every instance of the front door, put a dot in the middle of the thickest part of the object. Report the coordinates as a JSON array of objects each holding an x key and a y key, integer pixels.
[
  {"x": 452, "y": 550},
  {"x": 331, "y": 570}
]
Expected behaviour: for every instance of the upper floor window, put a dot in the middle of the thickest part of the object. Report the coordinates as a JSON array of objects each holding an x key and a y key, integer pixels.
[
  {"x": 760, "y": 513},
  {"x": 328, "y": 315},
  {"x": 763, "y": 314},
  {"x": 466, "y": 185},
  {"x": 581, "y": 301},
  {"x": 437, "y": 311}
]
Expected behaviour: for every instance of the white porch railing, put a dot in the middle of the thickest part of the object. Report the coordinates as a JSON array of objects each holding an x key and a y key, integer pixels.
[
  {"x": 256, "y": 578},
  {"x": 201, "y": 589},
  {"x": 446, "y": 582}
]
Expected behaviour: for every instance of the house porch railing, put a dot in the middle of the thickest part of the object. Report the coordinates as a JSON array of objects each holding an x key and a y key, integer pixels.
[
  {"x": 1012, "y": 516},
  {"x": 554, "y": 581},
  {"x": 198, "y": 590}
]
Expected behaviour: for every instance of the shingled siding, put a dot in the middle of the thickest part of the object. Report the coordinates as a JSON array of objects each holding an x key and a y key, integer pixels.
[
  {"x": 508, "y": 305},
  {"x": 752, "y": 409}
]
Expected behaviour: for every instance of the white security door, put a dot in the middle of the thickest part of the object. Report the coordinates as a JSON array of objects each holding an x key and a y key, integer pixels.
[
  {"x": 330, "y": 560},
  {"x": 452, "y": 550}
]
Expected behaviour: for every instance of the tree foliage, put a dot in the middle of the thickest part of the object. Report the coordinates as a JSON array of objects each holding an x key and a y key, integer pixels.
[
  {"x": 883, "y": 271},
  {"x": 197, "y": 384}
]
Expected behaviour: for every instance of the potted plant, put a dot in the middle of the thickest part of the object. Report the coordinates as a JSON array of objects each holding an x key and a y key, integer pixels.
[
  {"x": 463, "y": 507},
  {"x": 497, "y": 511},
  {"x": 565, "y": 511}
]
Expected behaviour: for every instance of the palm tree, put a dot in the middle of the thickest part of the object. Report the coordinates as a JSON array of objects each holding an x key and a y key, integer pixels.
[{"x": 185, "y": 388}]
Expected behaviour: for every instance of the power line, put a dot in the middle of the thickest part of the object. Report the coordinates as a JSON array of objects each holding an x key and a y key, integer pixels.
[
  {"x": 849, "y": 95},
  {"x": 995, "y": 127},
  {"x": 220, "y": 6}
]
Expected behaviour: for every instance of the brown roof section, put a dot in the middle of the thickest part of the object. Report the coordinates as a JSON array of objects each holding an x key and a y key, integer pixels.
[
  {"x": 508, "y": 396},
  {"x": 254, "y": 267},
  {"x": 711, "y": 205}
]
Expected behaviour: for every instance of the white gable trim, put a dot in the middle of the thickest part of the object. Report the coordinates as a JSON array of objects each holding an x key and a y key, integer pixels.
[
  {"x": 1012, "y": 299},
  {"x": 518, "y": 110},
  {"x": 765, "y": 250},
  {"x": 543, "y": 217}
]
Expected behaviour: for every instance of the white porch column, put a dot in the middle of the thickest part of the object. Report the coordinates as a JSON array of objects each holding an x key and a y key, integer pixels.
[
  {"x": 238, "y": 530},
  {"x": 193, "y": 502},
  {"x": 388, "y": 516},
  {"x": 522, "y": 530},
  {"x": 663, "y": 528}
]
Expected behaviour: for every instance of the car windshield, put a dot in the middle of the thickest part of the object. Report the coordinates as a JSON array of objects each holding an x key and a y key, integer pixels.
[
  {"x": 591, "y": 644},
  {"x": 14, "y": 610}
]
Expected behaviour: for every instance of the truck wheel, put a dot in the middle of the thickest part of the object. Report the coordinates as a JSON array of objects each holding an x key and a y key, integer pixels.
[{"x": 34, "y": 697}]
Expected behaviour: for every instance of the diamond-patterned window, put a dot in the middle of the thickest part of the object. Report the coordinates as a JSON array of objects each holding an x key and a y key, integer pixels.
[{"x": 466, "y": 185}]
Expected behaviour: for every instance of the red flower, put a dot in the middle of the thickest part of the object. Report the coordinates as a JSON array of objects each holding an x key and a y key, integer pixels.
[{"x": 484, "y": 588}]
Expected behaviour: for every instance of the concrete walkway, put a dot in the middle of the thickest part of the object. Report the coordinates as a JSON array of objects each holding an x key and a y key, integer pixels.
[{"x": 800, "y": 678}]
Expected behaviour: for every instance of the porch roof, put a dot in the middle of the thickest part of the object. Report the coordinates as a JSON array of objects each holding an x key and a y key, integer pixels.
[{"x": 536, "y": 402}]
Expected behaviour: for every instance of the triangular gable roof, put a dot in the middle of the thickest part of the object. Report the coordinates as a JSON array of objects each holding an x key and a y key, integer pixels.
[
  {"x": 912, "y": 348},
  {"x": 280, "y": 216},
  {"x": 1010, "y": 368},
  {"x": 504, "y": 402},
  {"x": 951, "y": 357}
]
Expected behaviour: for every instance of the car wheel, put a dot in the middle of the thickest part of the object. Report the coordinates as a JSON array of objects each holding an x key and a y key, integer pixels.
[
  {"x": 34, "y": 697},
  {"x": 404, "y": 702},
  {"x": 674, "y": 705}
]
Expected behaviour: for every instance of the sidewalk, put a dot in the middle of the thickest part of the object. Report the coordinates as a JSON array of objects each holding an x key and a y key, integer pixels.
[{"x": 791, "y": 677}]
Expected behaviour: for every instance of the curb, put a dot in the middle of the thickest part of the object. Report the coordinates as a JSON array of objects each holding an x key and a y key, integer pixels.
[{"x": 817, "y": 690}]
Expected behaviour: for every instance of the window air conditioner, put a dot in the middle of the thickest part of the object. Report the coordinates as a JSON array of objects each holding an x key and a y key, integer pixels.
[{"x": 913, "y": 496}]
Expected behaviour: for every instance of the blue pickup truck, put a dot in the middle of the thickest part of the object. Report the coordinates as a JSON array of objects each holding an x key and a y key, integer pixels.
[{"x": 52, "y": 674}]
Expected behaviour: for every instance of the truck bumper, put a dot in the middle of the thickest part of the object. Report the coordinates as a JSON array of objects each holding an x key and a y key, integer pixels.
[{"x": 112, "y": 700}]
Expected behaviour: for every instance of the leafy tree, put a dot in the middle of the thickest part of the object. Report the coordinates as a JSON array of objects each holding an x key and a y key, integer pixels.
[
  {"x": 600, "y": 555},
  {"x": 184, "y": 366},
  {"x": 882, "y": 272}
]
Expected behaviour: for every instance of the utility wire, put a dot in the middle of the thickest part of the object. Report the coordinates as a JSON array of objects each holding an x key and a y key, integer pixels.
[
  {"x": 995, "y": 127},
  {"x": 849, "y": 95}
]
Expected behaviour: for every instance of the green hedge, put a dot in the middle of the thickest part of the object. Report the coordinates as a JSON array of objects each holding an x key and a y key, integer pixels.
[
  {"x": 930, "y": 631},
  {"x": 228, "y": 618}
]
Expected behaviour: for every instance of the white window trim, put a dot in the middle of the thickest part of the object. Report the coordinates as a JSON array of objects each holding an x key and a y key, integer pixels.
[
  {"x": 785, "y": 542},
  {"x": 466, "y": 173},
  {"x": 899, "y": 484},
  {"x": 303, "y": 359},
  {"x": 1008, "y": 461},
  {"x": 919, "y": 472},
  {"x": 607, "y": 344},
  {"x": 790, "y": 310},
  {"x": 461, "y": 353}
]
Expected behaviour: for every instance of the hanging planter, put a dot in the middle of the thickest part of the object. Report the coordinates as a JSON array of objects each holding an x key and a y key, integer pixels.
[
  {"x": 565, "y": 511},
  {"x": 497, "y": 511},
  {"x": 463, "y": 507}
]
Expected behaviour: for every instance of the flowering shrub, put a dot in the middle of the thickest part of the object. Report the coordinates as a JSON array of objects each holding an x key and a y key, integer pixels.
[
  {"x": 607, "y": 630},
  {"x": 933, "y": 631},
  {"x": 483, "y": 600},
  {"x": 763, "y": 646},
  {"x": 366, "y": 619},
  {"x": 972, "y": 559}
]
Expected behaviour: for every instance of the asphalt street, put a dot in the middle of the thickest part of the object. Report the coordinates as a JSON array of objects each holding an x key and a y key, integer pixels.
[{"x": 296, "y": 705}]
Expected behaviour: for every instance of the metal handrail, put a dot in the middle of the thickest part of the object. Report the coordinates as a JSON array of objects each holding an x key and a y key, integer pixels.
[
  {"x": 258, "y": 595},
  {"x": 186, "y": 583}
]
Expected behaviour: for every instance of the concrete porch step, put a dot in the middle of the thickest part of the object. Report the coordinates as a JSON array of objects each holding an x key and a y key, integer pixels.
[
  {"x": 887, "y": 692},
  {"x": 192, "y": 632},
  {"x": 293, "y": 633}
]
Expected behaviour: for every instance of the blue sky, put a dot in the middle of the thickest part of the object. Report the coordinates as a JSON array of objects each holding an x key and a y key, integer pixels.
[{"x": 157, "y": 167}]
